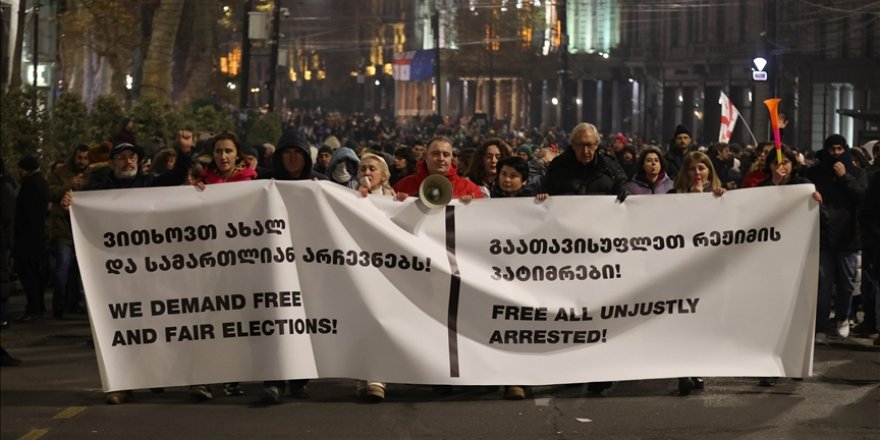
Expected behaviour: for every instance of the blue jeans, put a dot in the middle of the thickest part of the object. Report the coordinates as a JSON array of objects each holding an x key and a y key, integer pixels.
[
  {"x": 835, "y": 269},
  {"x": 66, "y": 296}
]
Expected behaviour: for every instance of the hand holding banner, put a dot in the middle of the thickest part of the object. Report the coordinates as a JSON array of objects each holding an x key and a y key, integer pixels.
[{"x": 309, "y": 280}]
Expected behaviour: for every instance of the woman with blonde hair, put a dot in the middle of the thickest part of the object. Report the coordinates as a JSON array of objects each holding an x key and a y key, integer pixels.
[
  {"x": 373, "y": 176},
  {"x": 697, "y": 175}
]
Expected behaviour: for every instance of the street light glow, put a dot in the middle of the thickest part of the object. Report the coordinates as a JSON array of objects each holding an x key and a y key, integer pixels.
[
  {"x": 230, "y": 85},
  {"x": 376, "y": 82},
  {"x": 554, "y": 101}
]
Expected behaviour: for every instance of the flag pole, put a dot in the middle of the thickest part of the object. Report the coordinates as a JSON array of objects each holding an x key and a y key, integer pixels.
[{"x": 749, "y": 129}]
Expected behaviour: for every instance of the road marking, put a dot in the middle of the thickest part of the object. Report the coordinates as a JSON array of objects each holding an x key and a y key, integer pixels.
[
  {"x": 542, "y": 401},
  {"x": 69, "y": 413},
  {"x": 34, "y": 434}
]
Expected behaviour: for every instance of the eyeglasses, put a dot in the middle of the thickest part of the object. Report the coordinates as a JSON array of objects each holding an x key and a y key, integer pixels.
[
  {"x": 126, "y": 157},
  {"x": 584, "y": 145}
]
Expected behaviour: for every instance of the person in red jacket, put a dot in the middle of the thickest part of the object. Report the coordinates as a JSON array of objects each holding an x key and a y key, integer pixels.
[{"x": 438, "y": 160}]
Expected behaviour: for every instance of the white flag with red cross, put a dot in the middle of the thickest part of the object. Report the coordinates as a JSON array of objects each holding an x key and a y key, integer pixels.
[{"x": 729, "y": 115}]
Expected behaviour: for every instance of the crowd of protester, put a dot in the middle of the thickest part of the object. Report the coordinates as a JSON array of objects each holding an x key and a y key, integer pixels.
[{"x": 382, "y": 159}]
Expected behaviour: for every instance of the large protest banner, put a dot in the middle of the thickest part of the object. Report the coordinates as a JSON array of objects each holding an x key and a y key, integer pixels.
[{"x": 280, "y": 280}]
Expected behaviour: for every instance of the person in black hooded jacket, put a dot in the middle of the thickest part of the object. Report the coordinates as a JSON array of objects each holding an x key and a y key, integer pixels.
[
  {"x": 28, "y": 250},
  {"x": 292, "y": 161},
  {"x": 293, "y": 158},
  {"x": 842, "y": 186}
]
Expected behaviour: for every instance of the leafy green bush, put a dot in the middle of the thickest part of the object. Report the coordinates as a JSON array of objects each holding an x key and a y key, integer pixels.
[
  {"x": 67, "y": 128},
  {"x": 21, "y": 128},
  {"x": 262, "y": 128},
  {"x": 106, "y": 118}
]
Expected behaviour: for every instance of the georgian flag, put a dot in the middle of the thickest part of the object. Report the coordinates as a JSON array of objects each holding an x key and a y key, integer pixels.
[{"x": 729, "y": 115}]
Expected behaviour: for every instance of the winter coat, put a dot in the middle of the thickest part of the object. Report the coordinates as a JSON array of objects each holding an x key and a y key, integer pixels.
[
  {"x": 639, "y": 186},
  {"x": 31, "y": 209},
  {"x": 524, "y": 192},
  {"x": 172, "y": 178},
  {"x": 460, "y": 185},
  {"x": 795, "y": 180},
  {"x": 841, "y": 201},
  {"x": 753, "y": 178},
  {"x": 537, "y": 170},
  {"x": 60, "y": 181},
  {"x": 210, "y": 176},
  {"x": 870, "y": 222},
  {"x": 7, "y": 216},
  {"x": 675, "y": 159},
  {"x": 567, "y": 176}
]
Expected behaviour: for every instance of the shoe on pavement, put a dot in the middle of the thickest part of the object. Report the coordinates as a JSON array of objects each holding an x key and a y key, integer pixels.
[
  {"x": 272, "y": 395},
  {"x": 699, "y": 383},
  {"x": 597, "y": 388},
  {"x": 767, "y": 381},
  {"x": 116, "y": 397},
  {"x": 821, "y": 339},
  {"x": 298, "y": 390},
  {"x": 514, "y": 392},
  {"x": 232, "y": 389},
  {"x": 865, "y": 329},
  {"x": 843, "y": 329},
  {"x": 9, "y": 361},
  {"x": 685, "y": 385},
  {"x": 200, "y": 392},
  {"x": 374, "y": 393}
]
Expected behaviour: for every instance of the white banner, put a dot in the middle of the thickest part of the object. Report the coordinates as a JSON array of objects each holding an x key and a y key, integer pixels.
[{"x": 282, "y": 280}]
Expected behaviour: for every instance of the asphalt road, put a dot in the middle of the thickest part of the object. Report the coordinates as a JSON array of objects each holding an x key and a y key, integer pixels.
[{"x": 55, "y": 394}]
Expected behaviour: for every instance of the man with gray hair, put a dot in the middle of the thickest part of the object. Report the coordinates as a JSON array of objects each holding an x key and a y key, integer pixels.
[{"x": 582, "y": 170}]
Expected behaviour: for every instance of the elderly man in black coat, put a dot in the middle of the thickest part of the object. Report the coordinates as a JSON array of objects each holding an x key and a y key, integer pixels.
[{"x": 582, "y": 170}]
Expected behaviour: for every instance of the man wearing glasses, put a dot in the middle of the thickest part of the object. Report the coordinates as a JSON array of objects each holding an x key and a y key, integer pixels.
[
  {"x": 582, "y": 170},
  {"x": 123, "y": 173}
]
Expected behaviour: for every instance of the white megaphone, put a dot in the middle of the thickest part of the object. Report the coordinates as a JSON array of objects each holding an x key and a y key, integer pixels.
[{"x": 435, "y": 191}]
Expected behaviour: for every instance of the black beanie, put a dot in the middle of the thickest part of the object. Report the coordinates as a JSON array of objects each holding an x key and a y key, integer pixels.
[
  {"x": 28, "y": 163},
  {"x": 834, "y": 139},
  {"x": 681, "y": 129}
]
